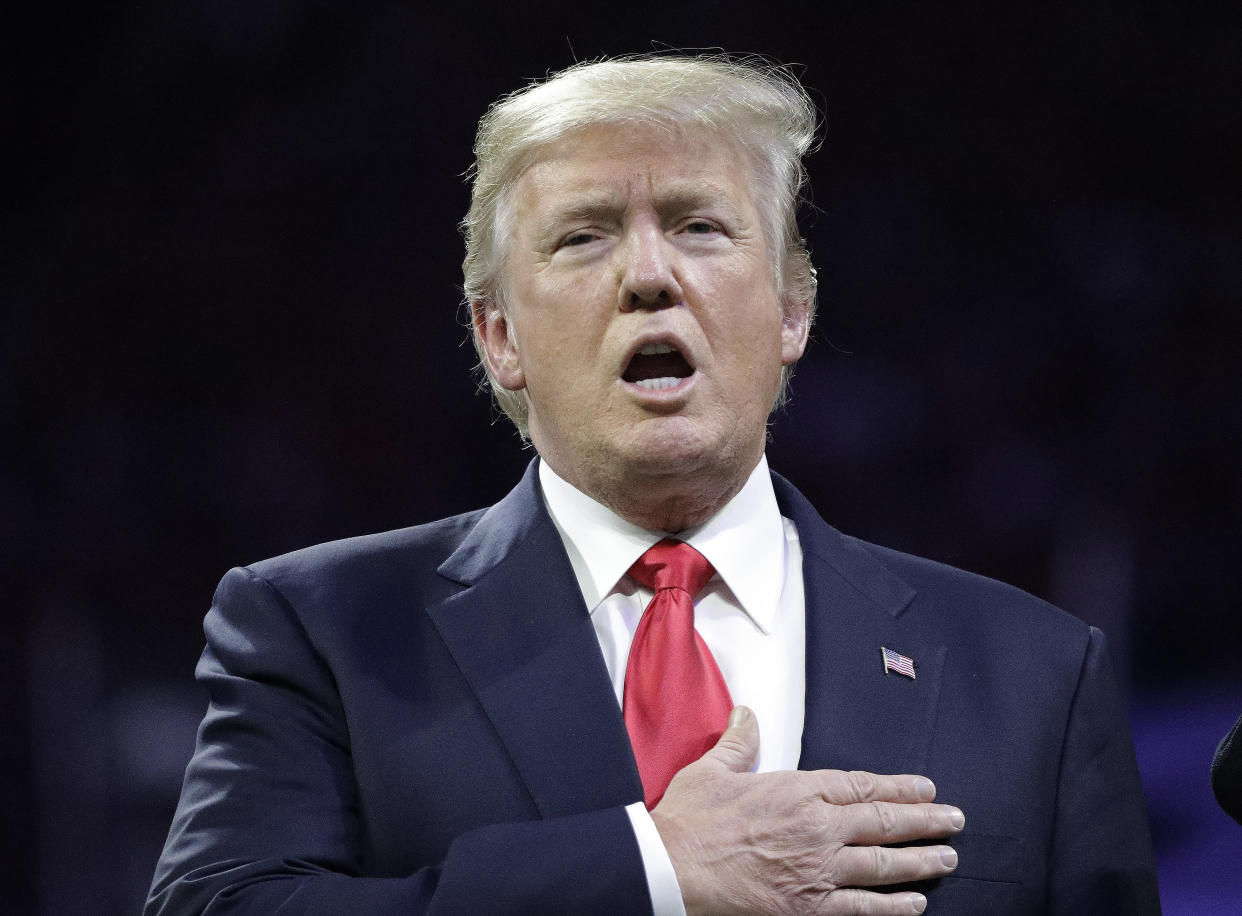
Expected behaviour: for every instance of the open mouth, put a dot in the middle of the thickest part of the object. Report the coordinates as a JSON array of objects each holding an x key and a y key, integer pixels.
[{"x": 657, "y": 366}]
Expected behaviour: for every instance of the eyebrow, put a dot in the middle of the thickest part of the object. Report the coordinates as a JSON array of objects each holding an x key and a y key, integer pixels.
[
  {"x": 606, "y": 206},
  {"x": 687, "y": 196},
  {"x": 589, "y": 206}
]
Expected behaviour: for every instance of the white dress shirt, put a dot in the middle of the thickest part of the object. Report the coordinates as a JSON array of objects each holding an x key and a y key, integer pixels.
[{"x": 751, "y": 614}]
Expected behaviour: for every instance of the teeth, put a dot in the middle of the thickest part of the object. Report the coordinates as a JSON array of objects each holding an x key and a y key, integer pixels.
[
  {"x": 656, "y": 384},
  {"x": 655, "y": 349}
]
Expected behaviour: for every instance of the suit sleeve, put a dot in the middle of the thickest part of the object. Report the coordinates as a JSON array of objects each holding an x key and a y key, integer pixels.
[
  {"x": 269, "y": 819},
  {"x": 1101, "y": 858}
]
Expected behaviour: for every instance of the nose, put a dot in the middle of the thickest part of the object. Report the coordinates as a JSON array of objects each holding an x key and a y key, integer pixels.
[{"x": 648, "y": 274}]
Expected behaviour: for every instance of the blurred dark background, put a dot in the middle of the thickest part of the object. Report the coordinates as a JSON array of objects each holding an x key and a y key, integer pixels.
[{"x": 230, "y": 275}]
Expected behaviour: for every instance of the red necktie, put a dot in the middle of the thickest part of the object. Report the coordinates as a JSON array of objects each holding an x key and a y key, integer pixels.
[{"x": 676, "y": 704}]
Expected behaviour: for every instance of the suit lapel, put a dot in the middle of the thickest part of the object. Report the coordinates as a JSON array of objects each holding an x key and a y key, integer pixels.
[
  {"x": 522, "y": 638},
  {"x": 858, "y": 717}
]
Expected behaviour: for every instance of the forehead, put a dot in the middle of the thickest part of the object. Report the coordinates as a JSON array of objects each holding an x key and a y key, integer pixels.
[{"x": 613, "y": 163}]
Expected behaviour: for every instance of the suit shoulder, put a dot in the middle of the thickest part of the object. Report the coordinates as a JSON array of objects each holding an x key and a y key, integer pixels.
[
  {"x": 940, "y": 587},
  {"x": 932, "y": 593},
  {"x": 415, "y": 550},
  {"x": 337, "y": 594}
]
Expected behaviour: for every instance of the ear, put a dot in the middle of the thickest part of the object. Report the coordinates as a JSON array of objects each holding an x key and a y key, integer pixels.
[
  {"x": 795, "y": 328},
  {"x": 498, "y": 343}
]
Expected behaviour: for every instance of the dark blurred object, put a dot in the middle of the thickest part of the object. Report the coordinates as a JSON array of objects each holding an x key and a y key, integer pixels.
[{"x": 1227, "y": 772}]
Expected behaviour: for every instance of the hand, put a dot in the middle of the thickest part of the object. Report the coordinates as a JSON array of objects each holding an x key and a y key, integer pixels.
[{"x": 798, "y": 841}]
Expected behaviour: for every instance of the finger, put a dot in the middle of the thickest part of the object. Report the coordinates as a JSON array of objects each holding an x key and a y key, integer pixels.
[
  {"x": 874, "y": 866},
  {"x": 889, "y": 822},
  {"x": 838, "y": 787},
  {"x": 738, "y": 747},
  {"x": 852, "y": 902}
]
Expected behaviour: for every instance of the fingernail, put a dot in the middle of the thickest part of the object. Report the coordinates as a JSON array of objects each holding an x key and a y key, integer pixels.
[
  {"x": 957, "y": 819},
  {"x": 925, "y": 788},
  {"x": 948, "y": 857},
  {"x": 918, "y": 902},
  {"x": 738, "y": 717}
]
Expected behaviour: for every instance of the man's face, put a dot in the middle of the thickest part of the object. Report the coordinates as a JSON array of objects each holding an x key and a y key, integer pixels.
[{"x": 643, "y": 320}]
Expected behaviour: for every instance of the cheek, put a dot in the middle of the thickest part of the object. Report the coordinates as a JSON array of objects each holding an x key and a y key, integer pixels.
[
  {"x": 752, "y": 327},
  {"x": 561, "y": 353}
]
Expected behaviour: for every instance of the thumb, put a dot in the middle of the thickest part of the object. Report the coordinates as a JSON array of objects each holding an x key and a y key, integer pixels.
[{"x": 738, "y": 747}]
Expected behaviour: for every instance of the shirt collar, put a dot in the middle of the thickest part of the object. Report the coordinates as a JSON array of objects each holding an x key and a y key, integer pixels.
[{"x": 744, "y": 541}]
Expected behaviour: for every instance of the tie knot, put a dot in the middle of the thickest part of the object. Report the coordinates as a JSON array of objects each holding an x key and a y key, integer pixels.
[{"x": 672, "y": 564}]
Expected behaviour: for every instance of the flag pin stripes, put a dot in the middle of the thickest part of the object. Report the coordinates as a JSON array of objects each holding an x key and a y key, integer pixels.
[{"x": 897, "y": 663}]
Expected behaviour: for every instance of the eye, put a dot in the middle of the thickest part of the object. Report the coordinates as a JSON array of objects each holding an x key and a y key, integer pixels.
[
  {"x": 700, "y": 227},
  {"x": 577, "y": 239}
]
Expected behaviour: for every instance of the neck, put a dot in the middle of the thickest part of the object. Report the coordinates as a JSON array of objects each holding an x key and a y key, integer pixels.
[{"x": 662, "y": 502}]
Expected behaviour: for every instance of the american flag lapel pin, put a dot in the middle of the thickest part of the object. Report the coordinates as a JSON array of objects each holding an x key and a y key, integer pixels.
[{"x": 897, "y": 663}]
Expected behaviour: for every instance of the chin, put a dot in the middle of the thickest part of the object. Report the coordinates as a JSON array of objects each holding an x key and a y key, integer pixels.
[{"x": 674, "y": 449}]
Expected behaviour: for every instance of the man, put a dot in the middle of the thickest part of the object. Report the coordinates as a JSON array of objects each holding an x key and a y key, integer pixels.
[{"x": 521, "y": 710}]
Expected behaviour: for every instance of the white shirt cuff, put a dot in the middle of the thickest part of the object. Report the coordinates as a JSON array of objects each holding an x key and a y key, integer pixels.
[{"x": 661, "y": 879}]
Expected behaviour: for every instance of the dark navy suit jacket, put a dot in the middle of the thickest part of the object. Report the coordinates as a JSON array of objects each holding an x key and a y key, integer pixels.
[{"x": 421, "y": 721}]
